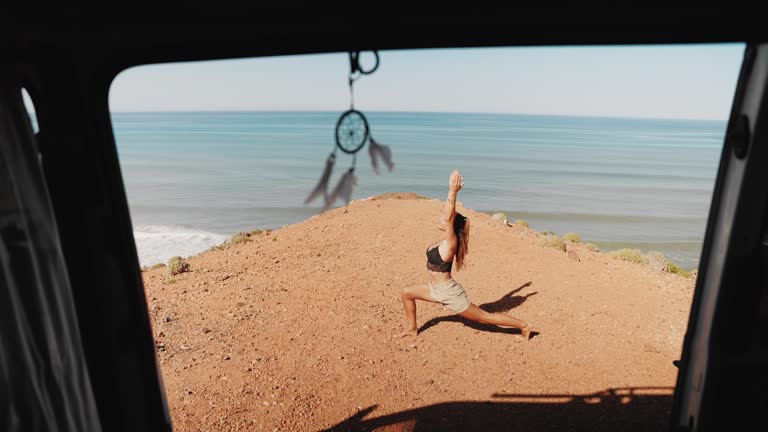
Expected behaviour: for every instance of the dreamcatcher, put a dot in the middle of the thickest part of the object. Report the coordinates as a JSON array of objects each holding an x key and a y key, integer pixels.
[{"x": 352, "y": 132}]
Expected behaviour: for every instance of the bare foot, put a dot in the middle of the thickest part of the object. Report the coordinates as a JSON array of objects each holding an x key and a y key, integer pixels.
[
  {"x": 413, "y": 332},
  {"x": 525, "y": 332}
]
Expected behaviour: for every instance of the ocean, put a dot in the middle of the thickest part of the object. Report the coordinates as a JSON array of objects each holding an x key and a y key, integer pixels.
[{"x": 195, "y": 178}]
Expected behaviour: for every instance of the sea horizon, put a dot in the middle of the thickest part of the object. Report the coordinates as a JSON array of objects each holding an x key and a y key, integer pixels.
[{"x": 337, "y": 111}]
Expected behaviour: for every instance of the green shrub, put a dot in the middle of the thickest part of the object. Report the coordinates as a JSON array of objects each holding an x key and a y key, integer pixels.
[
  {"x": 255, "y": 232},
  {"x": 548, "y": 232},
  {"x": 177, "y": 265},
  {"x": 593, "y": 247},
  {"x": 672, "y": 268},
  {"x": 521, "y": 222},
  {"x": 552, "y": 241},
  {"x": 572, "y": 236},
  {"x": 631, "y": 255},
  {"x": 239, "y": 238}
]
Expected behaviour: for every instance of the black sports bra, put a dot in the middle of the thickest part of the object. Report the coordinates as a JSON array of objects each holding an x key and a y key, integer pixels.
[{"x": 435, "y": 261}]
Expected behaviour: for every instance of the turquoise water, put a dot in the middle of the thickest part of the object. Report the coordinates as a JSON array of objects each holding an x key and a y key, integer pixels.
[{"x": 193, "y": 179}]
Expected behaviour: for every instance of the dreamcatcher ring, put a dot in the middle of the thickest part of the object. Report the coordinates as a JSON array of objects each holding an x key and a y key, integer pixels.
[
  {"x": 354, "y": 62},
  {"x": 351, "y": 131}
]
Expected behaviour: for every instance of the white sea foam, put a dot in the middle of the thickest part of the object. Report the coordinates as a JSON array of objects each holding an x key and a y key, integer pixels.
[{"x": 158, "y": 243}]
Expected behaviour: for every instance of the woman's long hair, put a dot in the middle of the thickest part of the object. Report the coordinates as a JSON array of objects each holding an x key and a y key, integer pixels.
[{"x": 461, "y": 228}]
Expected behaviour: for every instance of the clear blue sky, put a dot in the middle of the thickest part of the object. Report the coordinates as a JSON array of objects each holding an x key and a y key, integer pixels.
[{"x": 672, "y": 81}]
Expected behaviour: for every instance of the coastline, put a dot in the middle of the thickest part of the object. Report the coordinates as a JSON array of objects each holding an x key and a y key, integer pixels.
[{"x": 510, "y": 217}]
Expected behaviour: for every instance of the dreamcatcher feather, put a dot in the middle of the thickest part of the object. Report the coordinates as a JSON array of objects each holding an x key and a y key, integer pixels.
[
  {"x": 376, "y": 151},
  {"x": 322, "y": 185},
  {"x": 343, "y": 189}
]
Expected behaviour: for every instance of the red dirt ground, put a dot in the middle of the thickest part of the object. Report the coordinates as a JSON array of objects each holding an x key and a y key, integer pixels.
[{"x": 293, "y": 331}]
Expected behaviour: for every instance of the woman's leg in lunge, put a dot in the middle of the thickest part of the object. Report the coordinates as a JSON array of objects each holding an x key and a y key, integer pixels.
[
  {"x": 409, "y": 296},
  {"x": 474, "y": 313}
]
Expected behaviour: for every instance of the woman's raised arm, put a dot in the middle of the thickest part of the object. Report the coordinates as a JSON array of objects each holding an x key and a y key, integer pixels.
[{"x": 455, "y": 184}]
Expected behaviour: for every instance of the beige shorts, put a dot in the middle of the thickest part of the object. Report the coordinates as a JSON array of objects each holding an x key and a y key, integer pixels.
[{"x": 450, "y": 294}]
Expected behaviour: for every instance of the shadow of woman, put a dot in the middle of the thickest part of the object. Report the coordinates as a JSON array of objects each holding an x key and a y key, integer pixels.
[
  {"x": 509, "y": 301},
  {"x": 504, "y": 304}
]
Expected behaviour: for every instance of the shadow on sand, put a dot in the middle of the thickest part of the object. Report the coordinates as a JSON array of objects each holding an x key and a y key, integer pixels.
[
  {"x": 624, "y": 409},
  {"x": 504, "y": 304}
]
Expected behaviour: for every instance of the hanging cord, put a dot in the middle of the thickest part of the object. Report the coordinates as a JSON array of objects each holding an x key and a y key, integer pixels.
[
  {"x": 352, "y": 91},
  {"x": 354, "y": 68}
]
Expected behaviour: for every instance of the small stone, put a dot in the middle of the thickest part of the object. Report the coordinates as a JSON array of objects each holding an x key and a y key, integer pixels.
[
  {"x": 168, "y": 319},
  {"x": 501, "y": 217},
  {"x": 227, "y": 357}
]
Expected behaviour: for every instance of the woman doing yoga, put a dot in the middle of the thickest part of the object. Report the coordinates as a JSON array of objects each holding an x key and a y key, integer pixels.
[{"x": 442, "y": 288}]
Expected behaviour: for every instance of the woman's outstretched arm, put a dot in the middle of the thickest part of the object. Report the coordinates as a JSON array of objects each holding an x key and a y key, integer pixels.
[{"x": 455, "y": 184}]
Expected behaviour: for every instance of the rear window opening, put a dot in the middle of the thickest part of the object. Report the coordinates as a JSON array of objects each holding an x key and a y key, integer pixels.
[{"x": 588, "y": 175}]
